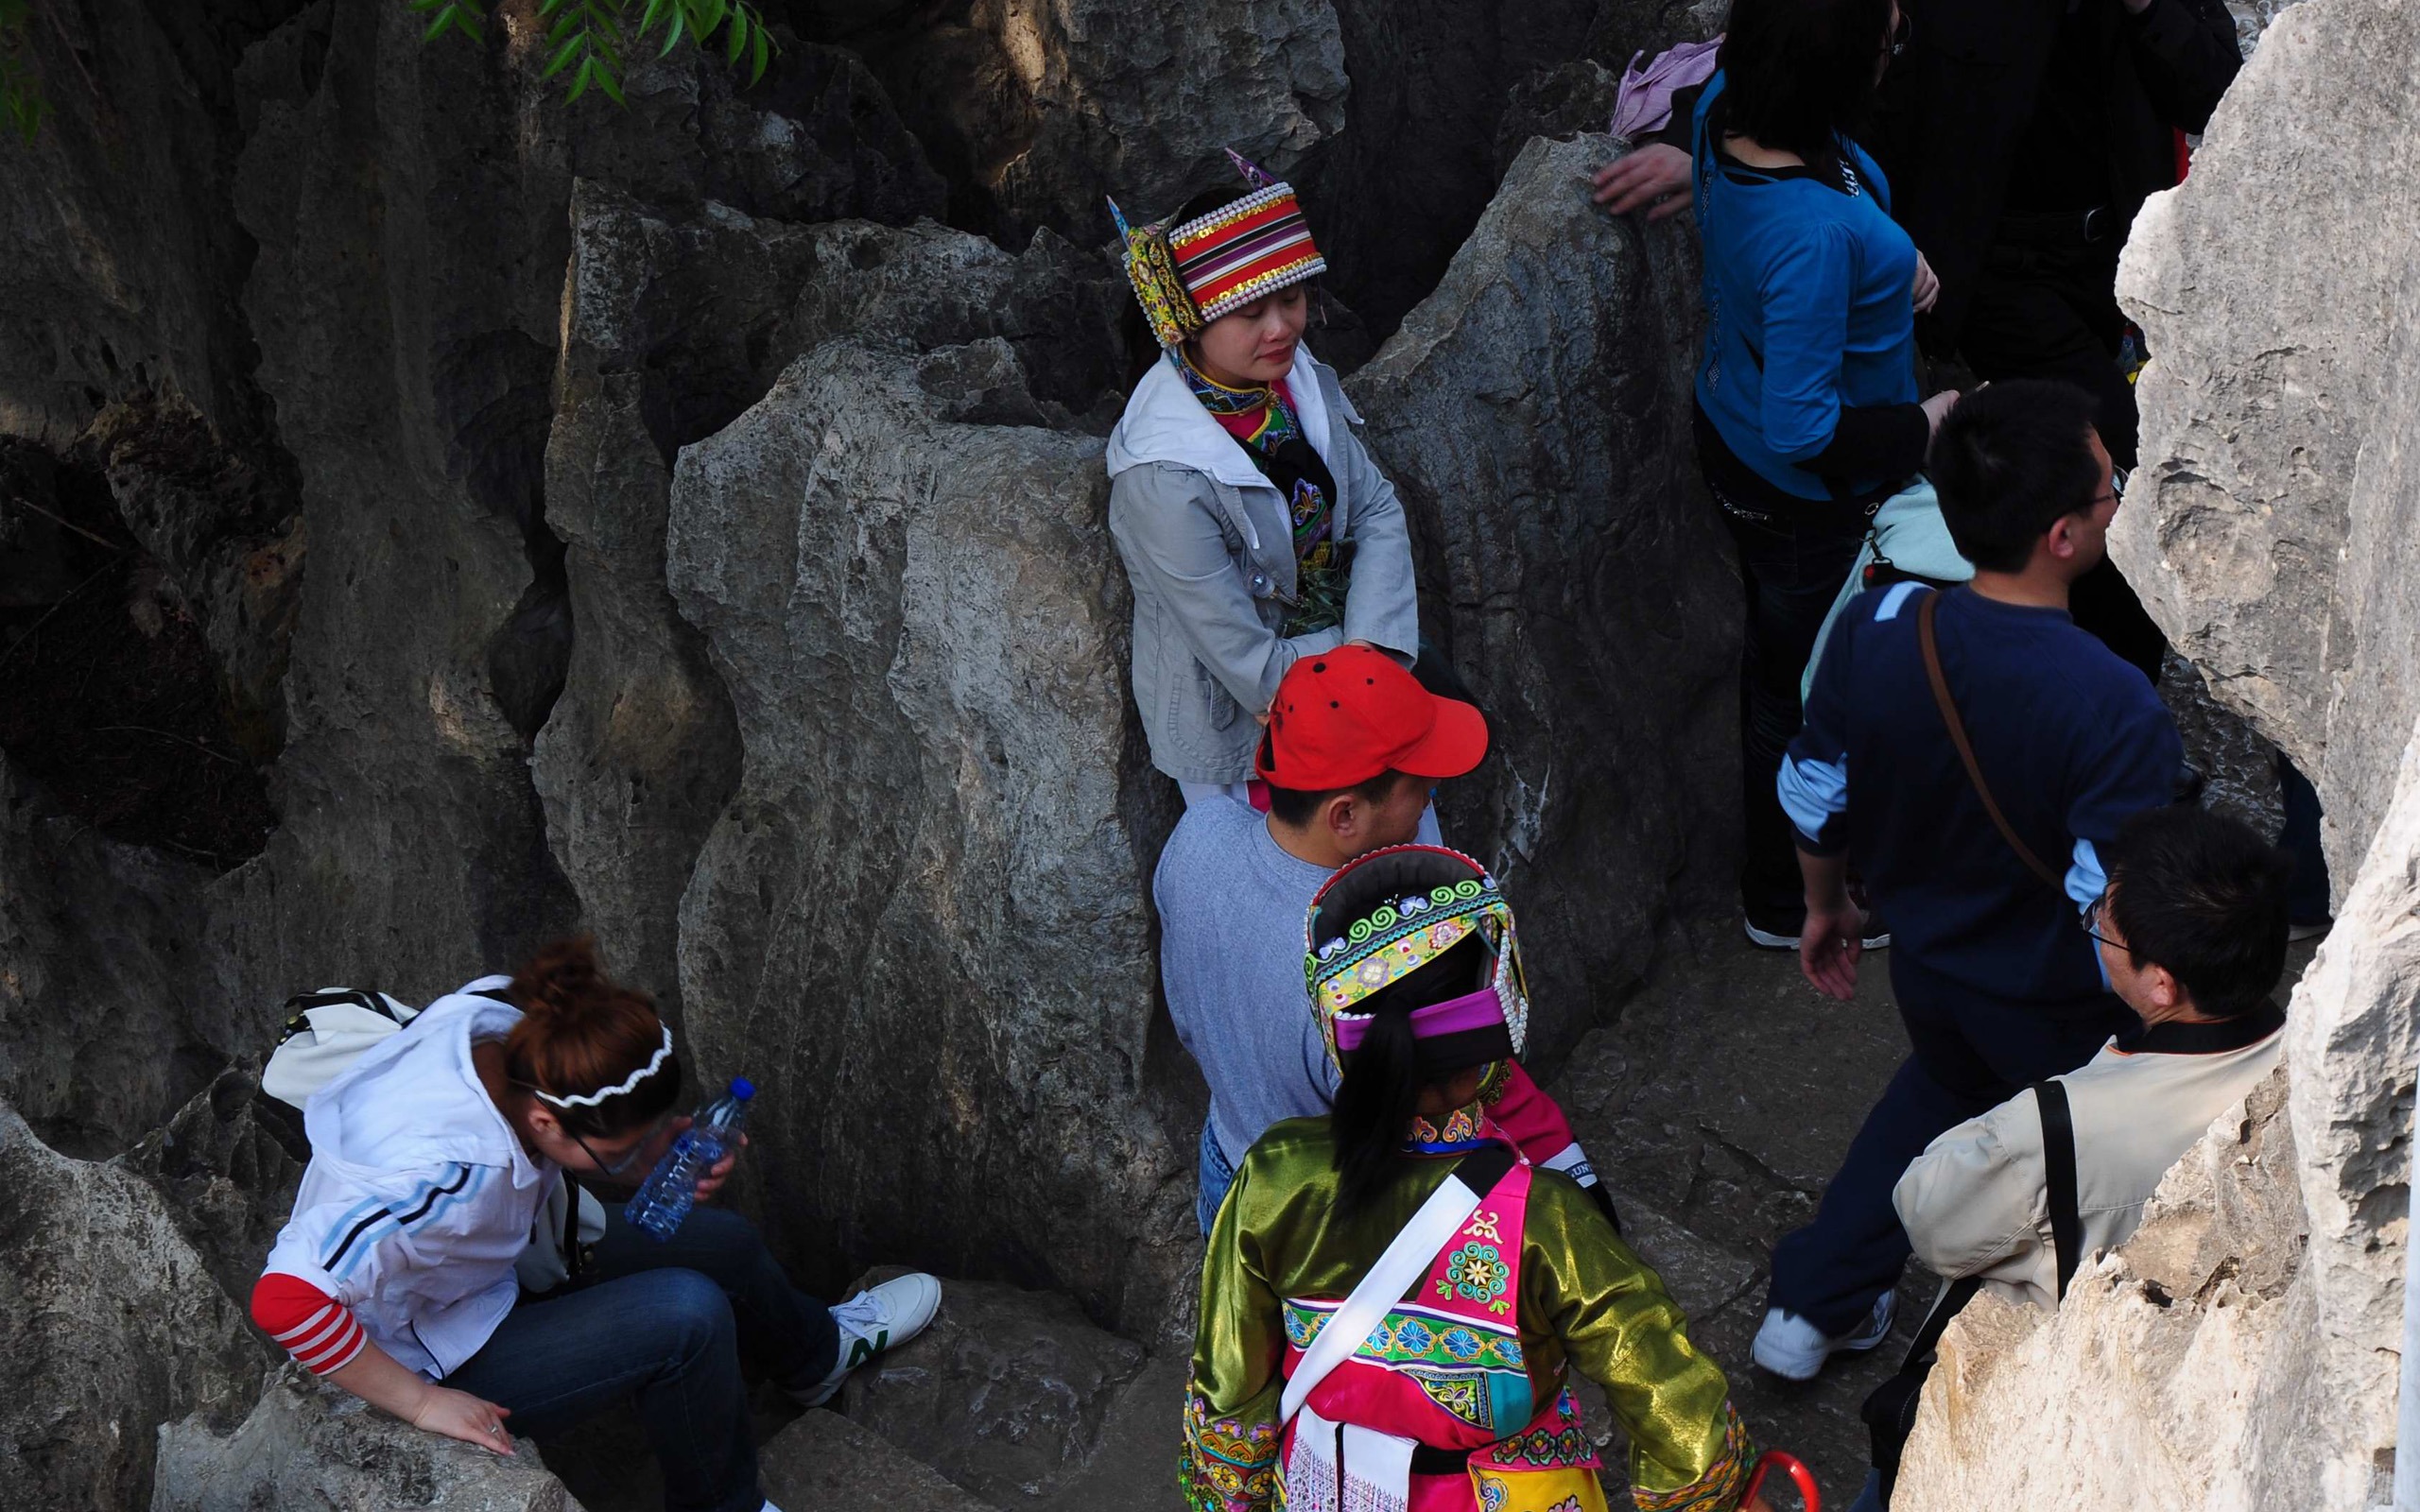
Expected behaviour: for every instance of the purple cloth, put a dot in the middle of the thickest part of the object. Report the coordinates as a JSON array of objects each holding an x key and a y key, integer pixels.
[
  {"x": 1644, "y": 103},
  {"x": 1475, "y": 1011}
]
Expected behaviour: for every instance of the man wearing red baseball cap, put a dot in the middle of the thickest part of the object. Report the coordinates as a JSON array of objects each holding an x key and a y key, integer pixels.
[
  {"x": 1344, "y": 725},
  {"x": 1354, "y": 746}
]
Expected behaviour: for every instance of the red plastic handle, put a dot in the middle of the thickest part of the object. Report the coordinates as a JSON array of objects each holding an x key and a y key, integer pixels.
[{"x": 1790, "y": 1464}]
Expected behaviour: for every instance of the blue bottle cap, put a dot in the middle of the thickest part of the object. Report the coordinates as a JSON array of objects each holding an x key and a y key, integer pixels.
[{"x": 742, "y": 1088}]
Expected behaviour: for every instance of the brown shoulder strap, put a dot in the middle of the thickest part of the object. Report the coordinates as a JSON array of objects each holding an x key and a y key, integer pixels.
[{"x": 1966, "y": 750}]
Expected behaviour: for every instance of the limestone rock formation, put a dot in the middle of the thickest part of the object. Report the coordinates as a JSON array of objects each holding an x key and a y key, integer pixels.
[
  {"x": 102, "y": 1031},
  {"x": 2266, "y": 531},
  {"x": 1439, "y": 86},
  {"x": 307, "y": 1446},
  {"x": 1006, "y": 1394},
  {"x": 110, "y": 1324},
  {"x": 921, "y": 920},
  {"x": 1534, "y": 415},
  {"x": 1035, "y": 112},
  {"x": 226, "y": 1167}
]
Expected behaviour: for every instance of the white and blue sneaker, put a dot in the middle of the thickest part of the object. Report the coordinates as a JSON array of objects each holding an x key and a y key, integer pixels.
[
  {"x": 877, "y": 1318},
  {"x": 1795, "y": 1350}
]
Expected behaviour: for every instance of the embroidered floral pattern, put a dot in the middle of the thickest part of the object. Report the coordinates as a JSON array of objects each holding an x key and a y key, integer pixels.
[
  {"x": 1478, "y": 1272},
  {"x": 1557, "y": 1441},
  {"x": 1719, "y": 1488},
  {"x": 1228, "y": 1464},
  {"x": 1461, "y": 1127},
  {"x": 1410, "y": 1339}
]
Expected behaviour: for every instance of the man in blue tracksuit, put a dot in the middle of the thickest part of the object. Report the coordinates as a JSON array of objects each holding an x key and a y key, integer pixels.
[{"x": 1997, "y": 982}]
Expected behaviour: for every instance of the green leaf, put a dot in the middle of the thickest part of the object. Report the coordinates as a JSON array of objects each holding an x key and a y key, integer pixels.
[
  {"x": 612, "y": 86},
  {"x": 549, "y": 9},
  {"x": 734, "y": 36},
  {"x": 563, "y": 57},
  {"x": 646, "y": 19},
  {"x": 672, "y": 39},
  {"x": 573, "y": 21},
  {"x": 763, "y": 55},
  {"x": 580, "y": 81}
]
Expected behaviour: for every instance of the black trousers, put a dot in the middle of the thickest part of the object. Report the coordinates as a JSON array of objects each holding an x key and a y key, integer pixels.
[
  {"x": 2051, "y": 312},
  {"x": 1792, "y": 565}
]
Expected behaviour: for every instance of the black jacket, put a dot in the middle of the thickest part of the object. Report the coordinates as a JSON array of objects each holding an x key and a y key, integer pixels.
[{"x": 1955, "y": 104}]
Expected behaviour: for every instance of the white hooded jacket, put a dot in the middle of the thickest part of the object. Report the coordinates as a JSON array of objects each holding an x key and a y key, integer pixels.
[{"x": 418, "y": 1196}]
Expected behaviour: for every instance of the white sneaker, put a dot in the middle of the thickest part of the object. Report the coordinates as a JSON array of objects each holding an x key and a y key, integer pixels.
[
  {"x": 1795, "y": 1350},
  {"x": 876, "y": 1320}
]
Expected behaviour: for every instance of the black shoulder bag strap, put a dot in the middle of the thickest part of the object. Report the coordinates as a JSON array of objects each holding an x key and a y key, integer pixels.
[{"x": 2059, "y": 1168}]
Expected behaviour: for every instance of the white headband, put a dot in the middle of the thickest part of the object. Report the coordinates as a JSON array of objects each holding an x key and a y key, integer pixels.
[{"x": 629, "y": 1083}]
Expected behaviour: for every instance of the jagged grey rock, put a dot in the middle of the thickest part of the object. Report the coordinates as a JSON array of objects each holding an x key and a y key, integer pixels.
[
  {"x": 1534, "y": 415},
  {"x": 1034, "y": 113},
  {"x": 672, "y": 325},
  {"x": 2267, "y": 533},
  {"x": 921, "y": 922},
  {"x": 308, "y": 1447},
  {"x": 1006, "y": 1394},
  {"x": 226, "y": 1167},
  {"x": 1438, "y": 86},
  {"x": 110, "y": 1324},
  {"x": 103, "y": 1030}
]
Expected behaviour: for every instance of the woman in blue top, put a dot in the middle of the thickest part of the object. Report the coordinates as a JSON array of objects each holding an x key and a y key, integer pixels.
[{"x": 1807, "y": 415}]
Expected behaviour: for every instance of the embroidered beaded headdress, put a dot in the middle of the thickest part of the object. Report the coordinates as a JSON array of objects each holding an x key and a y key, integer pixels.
[
  {"x": 1391, "y": 912},
  {"x": 1187, "y": 276}
]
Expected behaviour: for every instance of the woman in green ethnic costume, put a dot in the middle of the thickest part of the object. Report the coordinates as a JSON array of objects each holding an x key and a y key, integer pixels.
[{"x": 1487, "y": 1281}]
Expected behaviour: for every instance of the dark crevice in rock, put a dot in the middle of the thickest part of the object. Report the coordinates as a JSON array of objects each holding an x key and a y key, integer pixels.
[{"x": 109, "y": 693}]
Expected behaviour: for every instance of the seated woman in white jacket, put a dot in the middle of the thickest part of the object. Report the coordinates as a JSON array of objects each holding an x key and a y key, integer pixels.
[
  {"x": 1254, "y": 528},
  {"x": 430, "y": 1159}
]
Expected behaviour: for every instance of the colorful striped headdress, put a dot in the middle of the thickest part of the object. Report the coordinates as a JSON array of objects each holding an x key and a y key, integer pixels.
[
  {"x": 1388, "y": 915},
  {"x": 1187, "y": 276}
]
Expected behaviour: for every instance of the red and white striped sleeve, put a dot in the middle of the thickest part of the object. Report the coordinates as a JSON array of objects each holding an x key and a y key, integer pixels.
[{"x": 313, "y": 1326}]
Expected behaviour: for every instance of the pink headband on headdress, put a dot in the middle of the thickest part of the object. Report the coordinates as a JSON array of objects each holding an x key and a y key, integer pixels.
[{"x": 1482, "y": 1009}]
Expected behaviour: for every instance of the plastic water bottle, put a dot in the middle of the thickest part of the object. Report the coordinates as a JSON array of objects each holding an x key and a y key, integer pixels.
[{"x": 670, "y": 1190}]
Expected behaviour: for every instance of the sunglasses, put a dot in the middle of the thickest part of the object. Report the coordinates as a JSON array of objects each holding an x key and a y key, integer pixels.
[{"x": 631, "y": 1158}]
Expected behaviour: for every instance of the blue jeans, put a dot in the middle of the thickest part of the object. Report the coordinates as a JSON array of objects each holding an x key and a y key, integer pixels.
[
  {"x": 666, "y": 1323},
  {"x": 1216, "y": 1176}
]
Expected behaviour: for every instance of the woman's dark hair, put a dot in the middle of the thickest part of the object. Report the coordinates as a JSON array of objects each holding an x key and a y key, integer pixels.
[
  {"x": 2009, "y": 462},
  {"x": 1799, "y": 75},
  {"x": 2205, "y": 897},
  {"x": 1382, "y": 1084},
  {"x": 580, "y": 1031}
]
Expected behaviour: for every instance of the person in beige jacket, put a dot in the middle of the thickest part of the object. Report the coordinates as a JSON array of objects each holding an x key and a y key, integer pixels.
[{"x": 2191, "y": 934}]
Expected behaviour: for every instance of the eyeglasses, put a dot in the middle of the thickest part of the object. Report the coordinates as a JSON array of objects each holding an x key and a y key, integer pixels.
[
  {"x": 2092, "y": 922},
  {"x": 604, "y": 1167}
]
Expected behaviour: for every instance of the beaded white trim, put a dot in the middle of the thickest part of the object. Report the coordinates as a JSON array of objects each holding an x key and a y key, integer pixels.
[
  {"x": 1243, "y": 294},
  {"x": 628, "y": 1084},
  {"x": 1233, "y": 210}
]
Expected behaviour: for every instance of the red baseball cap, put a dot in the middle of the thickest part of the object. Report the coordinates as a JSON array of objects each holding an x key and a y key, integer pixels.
[{"x": 1343, "y": 717}]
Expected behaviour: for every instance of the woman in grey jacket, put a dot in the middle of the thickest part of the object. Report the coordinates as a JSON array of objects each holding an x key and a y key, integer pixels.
[{"x": 1254, "y": 528}]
